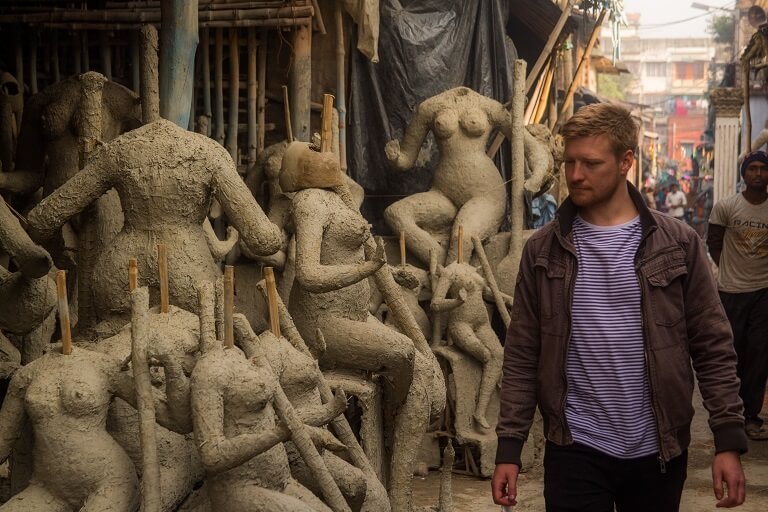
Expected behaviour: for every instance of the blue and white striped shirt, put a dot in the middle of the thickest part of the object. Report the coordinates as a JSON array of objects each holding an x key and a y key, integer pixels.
[{"x": 608, "y": 404}]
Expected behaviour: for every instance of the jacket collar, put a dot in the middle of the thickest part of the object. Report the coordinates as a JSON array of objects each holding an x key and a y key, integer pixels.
[{"x": 567, "y": 212}]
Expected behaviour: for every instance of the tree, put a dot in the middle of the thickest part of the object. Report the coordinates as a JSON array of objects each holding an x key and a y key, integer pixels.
[{"x": 722, "y": 28}]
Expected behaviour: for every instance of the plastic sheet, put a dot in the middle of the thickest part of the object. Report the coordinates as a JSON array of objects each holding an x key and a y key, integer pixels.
[{"x": 425, "y": 47}]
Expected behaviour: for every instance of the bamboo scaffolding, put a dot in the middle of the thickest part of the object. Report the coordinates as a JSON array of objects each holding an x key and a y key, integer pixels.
[
  {"x": 253, "y": 127},
  {"x": 234, "y": 94},
  {"x": 106, "y": 54},
  {"x": 261, "y": 102},
  {"x": 64, "y": 326},
  {"x": 218, "y": 78},
  {"x": 271, "y": 23},
  {"x": 162, "y": 267},
  {"x": 153, "y": 15},
  {"x": 341, "y": 79},
  {"x": 135, "y": 62},
  {"x": 287, "y": 114},
  {"x": 326, "y": 134}
]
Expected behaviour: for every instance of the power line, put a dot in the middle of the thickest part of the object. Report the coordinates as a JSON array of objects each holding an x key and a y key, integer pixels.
[{"x": 684, "y": 20}]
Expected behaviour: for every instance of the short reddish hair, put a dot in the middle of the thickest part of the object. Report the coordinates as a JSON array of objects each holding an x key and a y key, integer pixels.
[{"x": 604, "y": 119}]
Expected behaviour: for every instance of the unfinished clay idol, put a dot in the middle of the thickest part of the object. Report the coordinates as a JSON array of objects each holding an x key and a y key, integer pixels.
[
  {"x": 467, "y": 188},
  {"x": 460, "y": 292},
  {"x": 166, "y": 178},
  {"x": 331, "y": 293}
]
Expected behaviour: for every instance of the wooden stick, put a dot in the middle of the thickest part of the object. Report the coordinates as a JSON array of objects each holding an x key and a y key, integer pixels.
[
  {"x": 229, "y": 306},
  {"x": 61, "y": 295},
  {"x": 145, "y": 401},
  {"x": 287, "y": 114},
  {"x": 261, "y": 100},
  {"x": 234, "y": 93},
  {"x": 135, "y": 62},
  {"x": 150, "y": 81},
  {"x": 530, "y": 108},
  {"x": 341, "y": 78},
  {"x": 517, "y": 169},
  {"x": 218, "y": 85},
  {"x": 252, "y": 85},
  {"x": 584, "y": 59},
  {"x": 162, "y": 266},
  {"x": 133, "y": 274},
  {"x": 300, "y": 79},
  {"x": 272, "y": 301},
  {"x": 402, "y": 248},
  {"x": 460, "y": 245},
  {"x": 318, "y": 17},
  {"x": 326, "y": 135},
  {"x": 492, "y": 284},
  {"x": 545, "y": 94}
]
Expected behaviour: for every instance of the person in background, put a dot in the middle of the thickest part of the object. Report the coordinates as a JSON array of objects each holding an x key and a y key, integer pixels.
[
  {"x": 676, "y": 202},
  {"x": 738, "y": 243}
]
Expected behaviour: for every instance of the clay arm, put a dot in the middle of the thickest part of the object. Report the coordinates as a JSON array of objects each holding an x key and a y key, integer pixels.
[
  {"x": 73, "y": 197},
  {"x": 219, "y": 248},
  {"x": 219, "y": 453},
  {"x": 313, "y": 275},
  {"x": 33, "y": 261},
  {"x": 20, "y": 182},
  {"x": 258, "y": 236},
  {"x": 401, "y": 157},
  {"x": 541, "y": 163},
  {"x": 440, "y": 303},
  {"x": 12, "y": 415},
  {"x": 488, "y": 295}
]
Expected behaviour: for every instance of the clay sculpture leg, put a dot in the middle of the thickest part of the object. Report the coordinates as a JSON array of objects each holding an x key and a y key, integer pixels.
[
  {"x": 373, "y": 347},
  {"x": 480, "y": 217},
  {"x": 419, "y": 214},
  {"x": 486, "y": 349},
  {"x": 117, "y": 496},
  {"x": 350, "y": 480},
  {"x": 35, "y": 497}
]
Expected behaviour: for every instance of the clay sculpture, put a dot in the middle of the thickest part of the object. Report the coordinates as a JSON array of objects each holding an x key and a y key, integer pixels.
[
  {"x": 335, "y": 254},
  {"x": 467, "y": 188},
  {"x": 77, "y": 464},
  {"x": 166, "y": 178},
  {"x": 460, "y": 290},
  {"x": 239, "y": 441}
]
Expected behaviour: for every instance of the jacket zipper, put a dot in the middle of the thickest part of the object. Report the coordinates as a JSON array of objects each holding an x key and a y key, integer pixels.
[
  {"x": 571, "y": 284},
  {"x": 662, "y": 458}
]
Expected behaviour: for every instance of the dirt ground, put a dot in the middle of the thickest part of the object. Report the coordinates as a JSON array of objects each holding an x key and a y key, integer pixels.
[{"x": 474, "y": 495}]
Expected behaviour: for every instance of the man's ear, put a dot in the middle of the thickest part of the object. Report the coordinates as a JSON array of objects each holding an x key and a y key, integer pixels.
[{"x": 627, "y": 160}]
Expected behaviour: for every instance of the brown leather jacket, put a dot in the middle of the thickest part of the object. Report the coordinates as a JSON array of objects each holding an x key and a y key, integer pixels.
[{"x": 683, "y": 322}]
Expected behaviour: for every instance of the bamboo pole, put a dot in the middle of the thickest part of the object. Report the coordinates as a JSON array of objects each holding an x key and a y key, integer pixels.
[
  {"x": 272, "y": 301},
  {"x": 301, "y": 82},
  {"x": 218, "y": 84},
  {"x": 178, "y": 45},
  {"x": 85, "y": 49},
  {"x": 234, "y": 94},
  {"x": 150, "y": 84},
  {"x": 64, "y": 326},
  {"x": 543, "y": 101},
  {"x": 530, "y": 108},
  {"x": 77, "y": 58},
  {"x": 135, "y": 62},
  {"x": 237, "y": 23},
  {"x": 106, "y": 54},
  {"x": 145, "y": 403},
  {"x": 287, "y": 114},
  {"x": 162, "y": 267},
  {"x": 492, "y": 284},
  {"x": 584, "y": 59},
  {"x": 229, "y": 306},
  {"x": 154, "y": 15},
  {"x": 341, "y": 86},
  {"x": 205, "y": 43},
  {"x": 133, "y": 274},
  {"x": 261, "y": 102},
  {"x": 402, "y": 248},
  {"x": 33, "y": 62},
  {"x": 318, "y": 17},
  {"x": 252, "y": 84},
  {"x": 326, "y": 134}
]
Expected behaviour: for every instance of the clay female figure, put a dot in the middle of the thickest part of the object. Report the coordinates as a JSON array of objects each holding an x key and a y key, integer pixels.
[
  {"x": 331, "y": 293},
  {"x": 467, "y": 188},
  {"x": 77, "y": 464},
  {"x": 166, "y": 178},
  {"x": 239, "y": 442},
  {"x": 460, "y": 290},
  {"x": 298, "y": 375}
]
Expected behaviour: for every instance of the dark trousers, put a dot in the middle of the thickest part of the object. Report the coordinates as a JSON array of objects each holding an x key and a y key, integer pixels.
[
  {"x": 580, "y": 479},
  {"x": 748, "y": 315}
]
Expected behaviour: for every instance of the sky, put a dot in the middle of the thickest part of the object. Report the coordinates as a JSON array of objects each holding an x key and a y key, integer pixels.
[{"x": 655, "y": 13}]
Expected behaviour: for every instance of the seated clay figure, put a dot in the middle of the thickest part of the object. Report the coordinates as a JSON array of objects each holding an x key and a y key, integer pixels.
[
  {"x": 331, "y": 293},
  {"x": 467, "y": 188},
  {"x": 239, "y": 440},
  {"x": 298, "y": 375},
  {"x": 78, "y": 465},
  {"x": 460, "y": 291},
  {"x": 166, "y": 178}
]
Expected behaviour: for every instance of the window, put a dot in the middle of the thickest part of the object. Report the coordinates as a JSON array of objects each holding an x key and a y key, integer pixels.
[
  {"x": 699, "y": 70},
  {"x": 656, "y": 68},
  {"x": 684, "y": 71}
]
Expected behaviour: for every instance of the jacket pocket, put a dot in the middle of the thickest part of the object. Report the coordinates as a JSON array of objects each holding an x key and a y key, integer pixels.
[
  {"x": 551, "y": 284},
  {"x": 665, "y": 275},
  {"x": 674, "y": 386}
]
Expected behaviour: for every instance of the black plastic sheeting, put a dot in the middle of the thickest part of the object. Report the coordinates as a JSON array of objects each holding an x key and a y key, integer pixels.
[{"x": 425, "y": 47}]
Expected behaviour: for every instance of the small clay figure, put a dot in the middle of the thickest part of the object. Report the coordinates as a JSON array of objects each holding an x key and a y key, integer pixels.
[
  {"x": 239, "y": 442},
  {"x": 467, "y": 188},
  {"x": 331, "y": 293},
  {"x": 77, "y": 464},
  {"x": 166, "y": 178},
  {"x": 460, "y": 290}
]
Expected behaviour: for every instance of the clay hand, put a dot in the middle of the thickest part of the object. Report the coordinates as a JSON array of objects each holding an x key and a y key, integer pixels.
[
  {"x": 463, "y": 295},
  {"x": 379, "y": 257},
  {"x": 162, "y": 350},
  {"x": 392, "y": 150}
]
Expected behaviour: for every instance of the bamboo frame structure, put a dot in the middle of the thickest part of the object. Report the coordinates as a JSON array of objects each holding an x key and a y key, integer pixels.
[
  {"x": 234, "y": 93},
  {"x": 162, "y": 267}
]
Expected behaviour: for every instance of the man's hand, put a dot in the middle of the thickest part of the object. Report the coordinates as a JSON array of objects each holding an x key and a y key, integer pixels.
[
  {"x": 504, "y": 484},
  {"x": 726, "y": 468}
]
